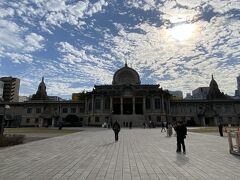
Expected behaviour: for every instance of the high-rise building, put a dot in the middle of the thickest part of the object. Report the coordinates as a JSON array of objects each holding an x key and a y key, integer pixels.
[
  {"x": 1, "y": 90},
  {"x": 10, "y": 89},
  {"x": 176, "y": 94},
  {"x": 200, "y": 93},
  {"x": 237, "y": 92},
  {"x": 54, "y": 98}
]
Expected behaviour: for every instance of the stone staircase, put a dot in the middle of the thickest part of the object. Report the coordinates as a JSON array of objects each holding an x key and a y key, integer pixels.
[{"x": 137, "y": 120}]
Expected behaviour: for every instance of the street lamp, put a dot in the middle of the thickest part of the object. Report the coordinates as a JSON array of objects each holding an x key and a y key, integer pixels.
[{"x": 3, "y": 119}]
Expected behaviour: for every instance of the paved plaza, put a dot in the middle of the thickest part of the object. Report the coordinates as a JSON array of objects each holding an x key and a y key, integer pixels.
[{"x": 139, "y": 154}]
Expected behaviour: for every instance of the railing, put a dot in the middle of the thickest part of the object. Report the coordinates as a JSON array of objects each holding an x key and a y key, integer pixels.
[{"x": 234, "y": 149}]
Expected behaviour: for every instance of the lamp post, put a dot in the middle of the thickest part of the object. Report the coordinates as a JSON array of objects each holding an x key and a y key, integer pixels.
[{"x": 3, "y": 119}]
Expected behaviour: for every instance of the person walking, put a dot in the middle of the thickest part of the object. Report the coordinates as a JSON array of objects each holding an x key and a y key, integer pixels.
[
  {"x": 181, "y": 132},
  {"x": 169, "y": 130},
  {"x": 220, "y": 129},
  {"x": 130, "y": 125},
  {"x": 144, "y": 125},
  {"x": 163, "y": 127},
  {"x": 116, "y": 128}
]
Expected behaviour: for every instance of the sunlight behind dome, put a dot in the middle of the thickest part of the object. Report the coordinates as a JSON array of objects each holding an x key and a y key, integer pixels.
[{"x": 182, "y": 32}]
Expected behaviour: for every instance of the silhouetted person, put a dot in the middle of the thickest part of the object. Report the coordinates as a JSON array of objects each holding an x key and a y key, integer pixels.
[
  {"x": 163, "y": 126},
  {"x": 169, "y": 130},
  {"x": 220, "y": 128},
  {"x": 181, "y": 132},
  {"x": 130, "y": 125},
  {"x": 116, "y": 128},
  {"x": 60, "y": 126},
  {"x": 167, "y": 125},
  {"x": 150, "y": 124},
  {"x": 144, "y": 125}
]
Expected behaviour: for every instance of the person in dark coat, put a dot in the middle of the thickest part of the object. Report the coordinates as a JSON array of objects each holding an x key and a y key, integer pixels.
[
  {"x": 163, "y": 127},
  {"x": 181, "y": 132},
  {"x": 130, "y": 125},
  {"x": 220, "y": 128},
  {"x": 116, "y": 128}
]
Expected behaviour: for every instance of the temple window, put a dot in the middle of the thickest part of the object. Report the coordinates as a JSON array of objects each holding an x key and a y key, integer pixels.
[
  {"x": 73, "y": 110},
  {"x": 65, "y": 110},
  {"x": 29, "y": 110},
  {"x": 148, "y": 103},
  {"x": 38, "y": 110},
  {"x": 98, "y": 104},
  {"x": 157, "y": 103},
  {"x": 107, "y": 103},
  {"x": 97, "y": 119},
  {"x": 81, "y": 107},
  {"x": 28, "y": 121}
]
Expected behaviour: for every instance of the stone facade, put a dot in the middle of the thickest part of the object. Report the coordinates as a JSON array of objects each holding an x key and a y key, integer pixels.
[{"x": 125, "y": 102}]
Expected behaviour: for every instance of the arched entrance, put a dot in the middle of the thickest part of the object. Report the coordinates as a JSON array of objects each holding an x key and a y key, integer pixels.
[
  {"x": 72, "y": 120},
  {"x": 210, "y": 117}
]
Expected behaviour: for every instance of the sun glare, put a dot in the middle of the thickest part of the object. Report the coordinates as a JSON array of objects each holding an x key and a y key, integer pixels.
[{"x": 182, "y": 32}]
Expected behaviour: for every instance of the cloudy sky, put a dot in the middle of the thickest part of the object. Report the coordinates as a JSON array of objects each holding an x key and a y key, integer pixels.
[{"x": 75, "y": 44}]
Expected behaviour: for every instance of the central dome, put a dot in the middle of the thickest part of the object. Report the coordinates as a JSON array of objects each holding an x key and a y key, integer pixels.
[{"x": 126, "y": 75}]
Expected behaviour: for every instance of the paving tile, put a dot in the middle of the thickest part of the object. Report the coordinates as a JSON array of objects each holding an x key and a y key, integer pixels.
[{"x": 139, "y": 154}]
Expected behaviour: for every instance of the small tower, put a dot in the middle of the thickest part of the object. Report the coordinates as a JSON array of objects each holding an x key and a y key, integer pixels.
[
  {"x": 214, "y": 92},
  {"x": 41, "y": 93}
]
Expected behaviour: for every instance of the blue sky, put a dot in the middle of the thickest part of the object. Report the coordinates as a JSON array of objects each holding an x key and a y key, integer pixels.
[{"x": 76, "y": 44}]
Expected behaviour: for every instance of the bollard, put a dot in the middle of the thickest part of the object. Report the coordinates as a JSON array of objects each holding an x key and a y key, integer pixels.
[
  {"x": 238, "y": 141},
  {"x": 230, "y": 142}
]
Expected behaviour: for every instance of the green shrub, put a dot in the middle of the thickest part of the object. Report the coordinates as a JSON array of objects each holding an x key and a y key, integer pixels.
[{"x": 10, "y": 140}]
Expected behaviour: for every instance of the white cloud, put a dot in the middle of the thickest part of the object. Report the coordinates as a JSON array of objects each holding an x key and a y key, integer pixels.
[
  {"x": 34, "y": 42},
  {"x": 212, "y": 48},
  {"x": 10, "y": 34},
  {"x": 56, "y": 12},
  {"x": 13, "y": 43},
  {"x": 19, "y": 57},
  {"x": 165, "y": 56},
  {"x": 6, "y": 12},
  {"x": 56, "y": 5},
  {"x": 84, "y": 64}
]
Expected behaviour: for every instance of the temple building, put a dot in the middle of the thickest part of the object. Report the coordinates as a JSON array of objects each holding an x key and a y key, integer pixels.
[{"x": 125, "y": 100}]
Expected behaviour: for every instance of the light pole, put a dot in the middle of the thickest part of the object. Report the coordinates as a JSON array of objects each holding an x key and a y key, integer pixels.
[{"x": 3, "y": 119}]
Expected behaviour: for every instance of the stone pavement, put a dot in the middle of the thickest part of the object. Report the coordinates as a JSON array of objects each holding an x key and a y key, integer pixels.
[{"x": 139, "y": 154}]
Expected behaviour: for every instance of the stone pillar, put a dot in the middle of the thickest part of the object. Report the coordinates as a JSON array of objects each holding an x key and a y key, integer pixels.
[
  {"x": 85, "y": 106},
  {"x": 92, "y": 104},
  {"x": 144, "y": 105},
  {"x": 203, "y": 121},
  {"x": 121, "y": 105},
  {"x": 133, "y": 105},
  {"x": 215, "y": 120},
  {"x": 53, "y": 120},
  {"x": 41, "y": 122},
  {"x": 169, "y": 107},
  {"x": 162, "y": 101},
  {"x": 102, "y": 104},
  {"x": 152, "y": 103},
  {"x": 111, "y": 105}
]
